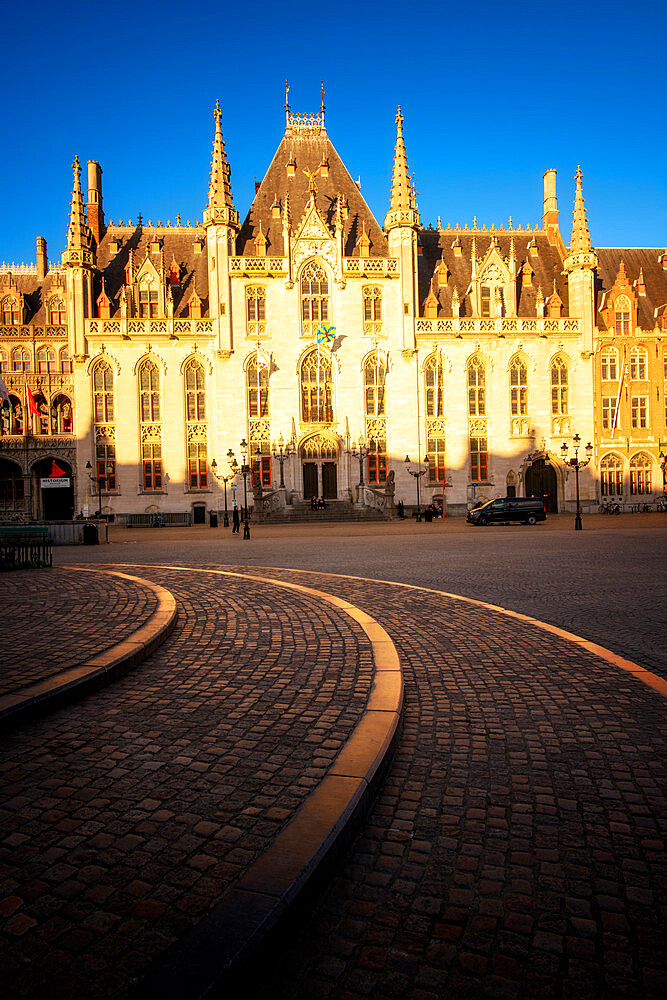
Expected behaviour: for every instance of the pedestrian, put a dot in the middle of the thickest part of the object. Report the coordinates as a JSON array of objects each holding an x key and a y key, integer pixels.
[{"x": 236, "y": 521}]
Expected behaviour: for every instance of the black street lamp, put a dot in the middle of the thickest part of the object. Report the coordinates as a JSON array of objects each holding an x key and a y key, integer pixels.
[
  {"x": 417, "y": 473},
  {"x": 245, "y": 471},
  {"x": 95, "y": 479},
  {"x": 282, "y": 452},
  {"x": 575, "y": 464},
  {"x": 361, "y": 455},
  {"x": 230, "y": 475}
]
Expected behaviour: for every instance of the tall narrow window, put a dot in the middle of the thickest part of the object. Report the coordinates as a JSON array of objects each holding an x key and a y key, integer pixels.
[
  {"x": 611, "y": 476},
  {"x": 152, "y": 464},
  {"x": 65, "y": 361},
  {"x": 103, "y": 393},
  {"x": 518, "y": 388},
  {"x": 372, "y": 310},
  {"x": 4, "y": 360},
  {"x": 57, "y": 312},
  {"x": 559, "y": 388},
  {"x": 255, "y": 298},
  {"x": 435, "y": 450},
  {"x": 105, "y": 454},
  {"x": 46, "y": 360},
  {"x": 197, "y": 428},
  {"x": 197, "y": 465},
  {"x": 478, "y": 459},
  {"x": 195, "y": 392},
  {"x": 609, "y": 365},
  {"x": 638, "y": 364},
  {"x": 61, "y": 415},
  {"x": 148, "y": 301},
  {"x": 608, "y": 412},
  {"x": 476, "y": 388},
  {"x": 486, "y": 300},
  {"x": 149, "y": 389},
  {"x": 377, "y": 461},
  {"x": 21, "y": 360},
  {"x": 640, "y": 474},
  {"x": 314, "y": 298},
  {"x": 258, "y": 389},
  {"x": 434, "y": 383},
  {"x": 316, "y": 387},
  {"x": 639, "y": 411},
  {"x": 374, "y": 384}
]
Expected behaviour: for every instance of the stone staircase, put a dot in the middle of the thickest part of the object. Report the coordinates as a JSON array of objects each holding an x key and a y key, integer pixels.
[{"x": 336, "y": 510}]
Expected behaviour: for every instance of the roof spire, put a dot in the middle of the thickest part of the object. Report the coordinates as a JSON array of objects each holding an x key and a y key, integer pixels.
[
  {"x": 403, "y": 205},
  {"x": 219, "y": 189},
  {"x": 78, "y": 233},
  {"x": 580, "y": 241}
]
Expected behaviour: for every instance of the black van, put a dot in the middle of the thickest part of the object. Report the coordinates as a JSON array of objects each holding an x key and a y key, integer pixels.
[{"x": 528, "y": 510}]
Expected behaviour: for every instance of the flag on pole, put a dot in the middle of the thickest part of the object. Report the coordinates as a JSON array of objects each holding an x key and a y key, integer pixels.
[
  {"x": 32, "y": 405},
  {"x": 4, "y": 392},
  {"x": 263, "y": 361},
  {"x": 618, "y": 400},
  {"x": 326, "y": 336},
  {"x": 56, "y": 471}
]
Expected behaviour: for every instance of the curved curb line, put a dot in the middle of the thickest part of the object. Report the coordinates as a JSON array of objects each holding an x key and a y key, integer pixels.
[
  {"x": 75, "y": 682},
  {"x": 252, "y": 911},
  {"x": 648, "y": 678}
]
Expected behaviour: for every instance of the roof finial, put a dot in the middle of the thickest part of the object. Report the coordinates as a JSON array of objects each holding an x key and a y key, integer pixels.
[
  {"x": 286, "y": 103},
  {"x": 78, "y": 233},
  {"x": 580, "y": 241},
  {"x": 219, "y": 189},
  {"x": 322, "y": 106},
  {"x": 401, "y": 188}
]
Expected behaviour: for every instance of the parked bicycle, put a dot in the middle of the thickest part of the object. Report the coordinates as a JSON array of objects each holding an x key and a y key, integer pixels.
[{"x": 610, "y": 508}]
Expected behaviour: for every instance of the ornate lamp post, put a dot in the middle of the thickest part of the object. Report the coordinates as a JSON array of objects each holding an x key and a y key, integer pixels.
[
  {"x": 282, "y": 452},
  {"x": 245, "y": 471},
  {"x": 361, "y": 455},
  {"x": 95, "y": 480},
  {"x": 230, "y": 475},
  {"x": 576, "y": 464},
  {"x": 417, "y": 473}
]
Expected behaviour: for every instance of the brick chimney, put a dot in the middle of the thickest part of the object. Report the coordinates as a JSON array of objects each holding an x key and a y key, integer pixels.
[
  {"x": 94, "y": 206},
  {"x": 42, "y": 262}
]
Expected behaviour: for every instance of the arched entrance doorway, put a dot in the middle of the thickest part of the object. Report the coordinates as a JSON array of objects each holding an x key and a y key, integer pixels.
[
  {"x": 55, "y": 502},
  {"x": 12, "y": 487},
  {"x": 541, "y": 482},
  {"x": 319, "y": 462}
]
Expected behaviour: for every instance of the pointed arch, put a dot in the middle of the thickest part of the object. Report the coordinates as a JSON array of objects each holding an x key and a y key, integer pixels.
[
  {"x": 374, "y": 370},
  {"x": 434, "y": 384},
  {"x": 316, "y": 386},
  {"x": 559, "y": 372},
  {"x": 641, "y": 466},
  {"x": 518, "y": 387},
  {"x": 476, "y": 368},
  {"x": 611, "y": 475},
  {"x": 315, "y": 282}
]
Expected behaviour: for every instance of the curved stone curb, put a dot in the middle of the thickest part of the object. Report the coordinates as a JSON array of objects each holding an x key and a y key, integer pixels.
[
  {"x": 249, "y": 914},
  {"x": 67, "y": 686},
  {"x": 652, "y": 680}
]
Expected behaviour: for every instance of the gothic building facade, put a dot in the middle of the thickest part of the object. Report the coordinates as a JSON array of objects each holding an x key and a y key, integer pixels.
[{"x": 333, "y": 346}]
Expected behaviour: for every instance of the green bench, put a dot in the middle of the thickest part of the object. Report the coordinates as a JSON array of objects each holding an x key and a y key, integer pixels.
[{"x": 24, "y": 546}]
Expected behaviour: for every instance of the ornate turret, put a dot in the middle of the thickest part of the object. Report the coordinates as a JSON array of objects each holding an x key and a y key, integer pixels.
[
  {"x": 402, "y": 209},
  {"x": 580, "y": 264},
  {"x": 79, "y": 243},
  {"x": 220, "y": 208}
]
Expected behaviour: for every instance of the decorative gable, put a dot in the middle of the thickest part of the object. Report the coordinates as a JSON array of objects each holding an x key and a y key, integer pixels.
[
  {"x": 313, "y": 239},
  {"x": 620, "y": 305}
]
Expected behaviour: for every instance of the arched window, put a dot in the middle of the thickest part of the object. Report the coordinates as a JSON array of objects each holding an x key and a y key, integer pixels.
[
  {"x": 103, "y": 393},
  {"x": 518, "y": 388},
  {"x": 476, "y": 388},
  {"x": 21, "y": 360},
  {"x": 40, "y": 425},
  {"x": 149, "y": 392},
  {"x": 13, "y": 417},
  {"x": 640, "y": 474},
  {"x": 195, "y": 391},
  {"x": 316, "y": 387},
  {"x": 611, "y": 476},
  {"x": 559, "y": 387},
  {"x": 638, "y": 364},
  {"x": 4, "y": 360},
  {"x": 46, "y": 360},
  {"x": 434, "y": 384},
  {"x": 61, "y": 415},
  {"x": 65, "y": 361},
  {"x": 11, "y": 485},
  {"x": 372, "y": 310},
  {"x": 375, "y": 373},
  {"x": 148, "y": 299},
  {"x": 258, "y": 389},
  {"x": 314, "y": 298},
  {"x": 609, "y": 365},
  {"x": 435, "y": 450},
  {"x": 255, "y": 304},
  {"x": 57, "y": 312},
  {"x": 10, "y": 311},
  {"x": 622, "y": 316}
]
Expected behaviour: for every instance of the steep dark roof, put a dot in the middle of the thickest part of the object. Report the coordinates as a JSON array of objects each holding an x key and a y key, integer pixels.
[
  {"x": 634, "y": 258},
  {"x": 177, "y": 244},
  {"x": 308, "y": 154},
  {"x": 36, "y": 292},
  {"x": 439, "y": 244}
]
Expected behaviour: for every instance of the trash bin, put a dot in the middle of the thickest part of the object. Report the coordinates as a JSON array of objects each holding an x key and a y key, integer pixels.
[
  {"x": 213, "y": 518},
  {"x": 90, "y": 535}
]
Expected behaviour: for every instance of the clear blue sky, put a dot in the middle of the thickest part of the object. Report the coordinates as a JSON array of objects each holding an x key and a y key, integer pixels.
[{"x": 493, "y": 95}]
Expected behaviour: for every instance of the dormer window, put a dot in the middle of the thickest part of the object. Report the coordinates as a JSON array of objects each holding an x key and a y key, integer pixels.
[
  {"x": 10, "y": 311},
  {"x": 174, "y": 273},
  {"x": 622, "y": 316},
  {"x": 57, "y": 312},
  {"x": 148, "y": 301},
  {"x": 485, "y": 300}
]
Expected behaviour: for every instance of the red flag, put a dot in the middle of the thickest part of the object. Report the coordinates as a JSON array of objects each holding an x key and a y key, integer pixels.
[
  {"x": 56, "y": 470},
  {"x": 32, "y": 405}
]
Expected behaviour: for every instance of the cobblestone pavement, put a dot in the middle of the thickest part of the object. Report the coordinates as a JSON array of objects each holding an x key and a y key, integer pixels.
[
  {"x": 124, "y": 816},
  {"x": 515, "y": 850},
  {"x": 44, "y": 611}
]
